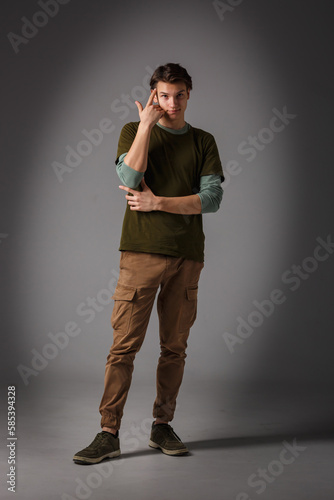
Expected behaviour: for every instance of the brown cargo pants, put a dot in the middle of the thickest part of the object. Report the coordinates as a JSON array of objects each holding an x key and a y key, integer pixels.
[{"x": 141, "y": 274}]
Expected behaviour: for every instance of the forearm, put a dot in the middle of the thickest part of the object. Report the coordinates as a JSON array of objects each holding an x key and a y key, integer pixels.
[
  {"x": 185, "y": 205},
  {"x": 136, "y": 157}
]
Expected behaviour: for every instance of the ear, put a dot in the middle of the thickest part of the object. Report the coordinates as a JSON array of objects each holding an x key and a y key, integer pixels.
[{"x": 188, "y": 93}]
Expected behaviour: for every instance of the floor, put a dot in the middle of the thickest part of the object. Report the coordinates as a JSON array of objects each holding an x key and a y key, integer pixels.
[{"x": 244, "y": 444}]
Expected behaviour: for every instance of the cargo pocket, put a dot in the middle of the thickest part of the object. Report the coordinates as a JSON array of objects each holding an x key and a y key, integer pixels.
[
  {"x": 122, "y": 312},
  {"x": 189, "y": 308}
]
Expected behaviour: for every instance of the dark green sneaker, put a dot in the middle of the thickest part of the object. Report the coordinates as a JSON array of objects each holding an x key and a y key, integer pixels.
[
  {"x": 105, "y": 445},
  {"x": 163, "y": 437}
]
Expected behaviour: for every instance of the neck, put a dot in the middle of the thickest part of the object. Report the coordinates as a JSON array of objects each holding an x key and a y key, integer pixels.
[{"x": 175, "y": 125}]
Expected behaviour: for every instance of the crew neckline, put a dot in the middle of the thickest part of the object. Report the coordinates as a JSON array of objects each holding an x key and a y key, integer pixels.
[{"x": 179, "y": 131}]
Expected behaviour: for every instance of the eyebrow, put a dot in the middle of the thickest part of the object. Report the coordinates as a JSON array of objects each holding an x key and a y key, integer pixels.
[{"x": 166, "y": 93}]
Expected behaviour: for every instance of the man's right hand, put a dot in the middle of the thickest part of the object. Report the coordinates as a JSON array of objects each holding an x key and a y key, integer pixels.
[{"x": 151, "y": 114}]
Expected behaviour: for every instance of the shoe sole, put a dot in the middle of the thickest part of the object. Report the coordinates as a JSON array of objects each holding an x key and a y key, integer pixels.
[
  {"x": 182, "y": 451},
  {"x": 83, "y": 460}
]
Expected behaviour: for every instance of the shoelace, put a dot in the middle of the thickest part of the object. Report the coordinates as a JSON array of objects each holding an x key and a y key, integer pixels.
[{"x": 100, "y": 437}]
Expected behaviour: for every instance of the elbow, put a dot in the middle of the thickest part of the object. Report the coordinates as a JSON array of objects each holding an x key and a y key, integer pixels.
[
  {"x": 213, "y": 208},
  {"x": 217, "y": 202},
  {"x": 129, "y": 177},
  {"x": 129, "y": 184},
  {"x": 211, "y": 203}
]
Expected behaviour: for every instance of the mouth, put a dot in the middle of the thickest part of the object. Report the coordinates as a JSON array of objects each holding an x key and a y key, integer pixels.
[{"x": 173, "y": 111}]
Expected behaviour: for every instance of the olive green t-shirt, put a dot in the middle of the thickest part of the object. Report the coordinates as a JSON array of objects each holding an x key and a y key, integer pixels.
[{"x": 175, "y": 164}]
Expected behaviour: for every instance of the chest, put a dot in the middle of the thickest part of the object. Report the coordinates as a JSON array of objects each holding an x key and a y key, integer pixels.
[{"x": 174, "y": 165}]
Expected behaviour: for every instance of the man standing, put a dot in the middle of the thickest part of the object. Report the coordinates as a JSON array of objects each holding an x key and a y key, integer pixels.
[{"x": 172, "y": 174}]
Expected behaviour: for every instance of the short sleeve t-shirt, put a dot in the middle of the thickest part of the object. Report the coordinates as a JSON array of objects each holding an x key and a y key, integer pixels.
[{"x": 175, "y": 165}]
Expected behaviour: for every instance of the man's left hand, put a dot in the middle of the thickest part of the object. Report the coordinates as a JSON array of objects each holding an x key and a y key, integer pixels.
[{"x": 142, "y": 201}]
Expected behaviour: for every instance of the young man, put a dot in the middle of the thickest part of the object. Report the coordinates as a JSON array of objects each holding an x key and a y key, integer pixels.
[{"x": 171, "y": 174}]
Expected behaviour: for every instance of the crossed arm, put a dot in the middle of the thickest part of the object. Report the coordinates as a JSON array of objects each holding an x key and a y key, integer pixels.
[
  {"x": 136, "y": 158},
  {"x": 146, "y": 201},
  {"x": 136, "y": 163}
]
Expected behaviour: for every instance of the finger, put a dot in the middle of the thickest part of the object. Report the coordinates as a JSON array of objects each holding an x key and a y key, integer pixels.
[
  {"x": 150, "y": 99},
  {"x": 131, "y": 198},
  {"x": 129, "y": 190},
  {"x": 139, "y": 106}
]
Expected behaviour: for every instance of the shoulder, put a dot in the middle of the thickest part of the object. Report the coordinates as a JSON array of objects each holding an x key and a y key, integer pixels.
[
  {"x": 203, "y": 137},
  {"x": 130, "y": 128}
]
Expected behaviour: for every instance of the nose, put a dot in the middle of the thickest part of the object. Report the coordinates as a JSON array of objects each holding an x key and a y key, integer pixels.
[{"x": 174, "y": 102}]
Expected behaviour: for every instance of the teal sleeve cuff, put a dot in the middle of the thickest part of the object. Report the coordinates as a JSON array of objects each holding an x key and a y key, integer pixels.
[
  {"x": 128, "y": 176},
  {"x": 210, "y": 193}
]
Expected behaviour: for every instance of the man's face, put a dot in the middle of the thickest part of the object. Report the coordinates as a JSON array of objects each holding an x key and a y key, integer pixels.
[{"x": 173, "y": 99}]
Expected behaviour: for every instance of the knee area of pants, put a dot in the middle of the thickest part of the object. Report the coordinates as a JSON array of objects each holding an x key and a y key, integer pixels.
[{"x": 172, "y": 353}]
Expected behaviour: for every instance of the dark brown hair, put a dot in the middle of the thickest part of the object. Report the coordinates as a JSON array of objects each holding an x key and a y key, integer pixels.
[{"x": 171, "y": 73}]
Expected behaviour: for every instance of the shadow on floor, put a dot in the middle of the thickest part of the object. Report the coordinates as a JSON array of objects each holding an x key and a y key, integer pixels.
[
  {"x": 242, "y": 442},
  {"x": 247, "y": 441}
]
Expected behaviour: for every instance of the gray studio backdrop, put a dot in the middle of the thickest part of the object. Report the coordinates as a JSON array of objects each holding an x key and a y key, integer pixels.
[{"x": 262, "y": 79}]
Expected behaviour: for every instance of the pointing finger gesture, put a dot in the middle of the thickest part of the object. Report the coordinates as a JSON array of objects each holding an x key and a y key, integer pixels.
[{"x": 151, "y": 114}]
